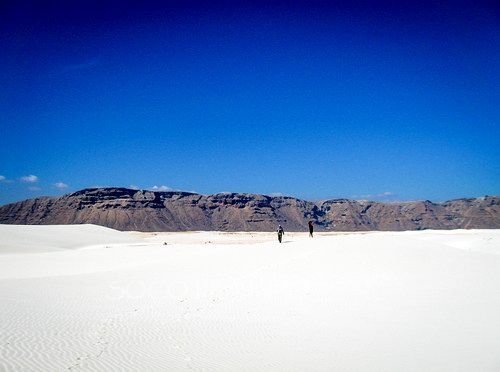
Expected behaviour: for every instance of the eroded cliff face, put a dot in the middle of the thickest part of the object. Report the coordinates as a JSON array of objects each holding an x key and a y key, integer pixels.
[{"x": 142, "y": 210}]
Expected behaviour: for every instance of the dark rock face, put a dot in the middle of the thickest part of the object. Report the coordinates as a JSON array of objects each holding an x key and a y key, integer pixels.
[{"x": 126, "y": 209}]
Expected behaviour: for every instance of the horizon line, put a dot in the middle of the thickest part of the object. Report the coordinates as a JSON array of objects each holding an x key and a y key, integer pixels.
[{"x": 173, "y": 191}]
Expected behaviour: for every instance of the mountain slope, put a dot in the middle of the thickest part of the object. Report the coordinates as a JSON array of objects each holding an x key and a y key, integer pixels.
[{"x": 127, "y": 209}]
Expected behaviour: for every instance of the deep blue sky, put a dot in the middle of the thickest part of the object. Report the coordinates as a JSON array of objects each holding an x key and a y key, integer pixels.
[{"x": 379, "y": 100}]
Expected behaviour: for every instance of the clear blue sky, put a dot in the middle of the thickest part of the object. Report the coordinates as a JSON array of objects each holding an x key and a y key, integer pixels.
[{"x": 379, "y": 100}]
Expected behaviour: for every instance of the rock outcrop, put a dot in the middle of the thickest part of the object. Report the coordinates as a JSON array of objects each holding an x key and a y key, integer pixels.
[{"x": 127, "y": 209}]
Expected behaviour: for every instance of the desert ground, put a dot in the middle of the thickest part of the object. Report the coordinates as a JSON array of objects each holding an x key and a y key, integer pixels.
[{"x": 88, "y": 298}]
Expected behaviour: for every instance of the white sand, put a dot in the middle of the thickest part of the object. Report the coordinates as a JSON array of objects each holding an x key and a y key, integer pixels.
[
  {"x": 87, "y": 298},
  {"x": 40, "y": 238}
]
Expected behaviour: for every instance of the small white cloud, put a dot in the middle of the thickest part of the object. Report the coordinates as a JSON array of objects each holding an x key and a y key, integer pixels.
[
  {"x": 34, "y": 188},
  {"x": 362, "y": 197},
  {"x": 3, "y": 179},
  {"x": 29, "y": 179},
  {"x": 276, "y": 194},
  {"x": 383, "y": 195},
  {"x": 60, "y": 185},
  {"x": 134, "y": 187},
  {"x": 161, "y": 188}
]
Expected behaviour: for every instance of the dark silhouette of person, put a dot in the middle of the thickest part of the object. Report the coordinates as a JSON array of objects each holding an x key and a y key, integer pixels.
[
  {"x": 281, "y": 232},
  {"x": 311, "y": 229}
]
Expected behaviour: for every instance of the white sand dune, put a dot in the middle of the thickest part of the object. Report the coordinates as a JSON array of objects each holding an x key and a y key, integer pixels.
[
  {"x": 85, "y": 298},
  {"x": 42, "y": 238}
]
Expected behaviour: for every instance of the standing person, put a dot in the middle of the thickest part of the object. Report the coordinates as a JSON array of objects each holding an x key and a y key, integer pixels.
[
  {"x": 311, "y": 229},
  {"x": 281, "y": 232}
]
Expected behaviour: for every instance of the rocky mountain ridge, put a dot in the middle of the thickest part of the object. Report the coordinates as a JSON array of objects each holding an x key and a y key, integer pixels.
[{"x": 144, "y": 210}]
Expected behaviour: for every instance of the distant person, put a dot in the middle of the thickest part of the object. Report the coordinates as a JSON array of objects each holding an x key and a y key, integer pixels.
[
  {"x": 281, "y": 232},
  {"x": 311, "y": 229}
]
